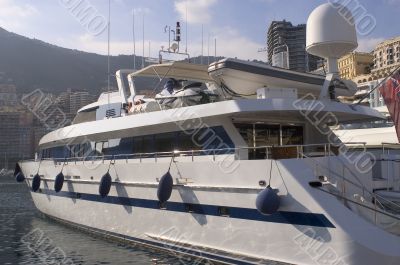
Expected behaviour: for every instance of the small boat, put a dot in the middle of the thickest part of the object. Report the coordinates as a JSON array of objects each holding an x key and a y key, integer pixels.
[{"x": 243, "y": 78}]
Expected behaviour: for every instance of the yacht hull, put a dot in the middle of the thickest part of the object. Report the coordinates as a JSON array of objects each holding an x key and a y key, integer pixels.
[{"x": 211, "y": 213}]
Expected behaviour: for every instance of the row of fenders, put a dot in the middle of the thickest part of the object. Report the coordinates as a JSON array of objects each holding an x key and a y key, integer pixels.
[{"x": 267, "y": 201}]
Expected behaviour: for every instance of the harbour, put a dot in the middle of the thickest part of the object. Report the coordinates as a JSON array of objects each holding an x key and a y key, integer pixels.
[{"x": 28, "y": 237}]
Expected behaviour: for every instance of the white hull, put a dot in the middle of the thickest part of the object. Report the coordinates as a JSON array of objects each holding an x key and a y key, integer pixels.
[{"x": 311, "y": 226}]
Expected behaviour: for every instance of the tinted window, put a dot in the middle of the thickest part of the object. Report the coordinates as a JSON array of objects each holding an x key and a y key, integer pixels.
[
  {"x": 201, "y": 139},
  {"x": 165, "y": 142}
]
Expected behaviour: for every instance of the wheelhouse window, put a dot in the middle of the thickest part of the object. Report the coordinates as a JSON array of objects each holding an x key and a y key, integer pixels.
[
  {"x": 292, "y": 135},
  {"x": 258, "y": 135}
]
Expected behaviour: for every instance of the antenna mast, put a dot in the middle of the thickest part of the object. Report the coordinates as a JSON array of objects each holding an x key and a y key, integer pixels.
[
  {"x": 215, "y": 47},
  {"x": 186, "y": 28},
  {"x": 202, "y": 43},
  {"x": 134, "y": 39},
  {"x": 108, "y": 53},
  {"x": 208, "y": 49},
  {"x": 143, "y": 44}
]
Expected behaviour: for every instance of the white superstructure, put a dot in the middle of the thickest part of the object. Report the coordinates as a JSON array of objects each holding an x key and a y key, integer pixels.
[{"x": 230, "y": 179}]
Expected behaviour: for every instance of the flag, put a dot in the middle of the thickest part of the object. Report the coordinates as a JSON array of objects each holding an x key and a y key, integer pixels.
[{"x": 390, "y": 91}]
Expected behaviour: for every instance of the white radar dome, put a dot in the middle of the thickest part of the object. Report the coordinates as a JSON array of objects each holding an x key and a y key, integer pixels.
[{"x": 331, "y": 32}]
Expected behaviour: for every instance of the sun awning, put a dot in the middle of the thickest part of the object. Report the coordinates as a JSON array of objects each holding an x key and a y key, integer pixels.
[{"x": 177, "y": 70}]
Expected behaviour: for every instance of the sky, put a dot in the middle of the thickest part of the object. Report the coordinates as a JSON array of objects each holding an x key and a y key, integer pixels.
[{"x": 238, "y": 26}]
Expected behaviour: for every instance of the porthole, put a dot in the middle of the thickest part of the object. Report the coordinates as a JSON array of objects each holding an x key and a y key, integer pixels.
[
  {"x": 223, "y": 211},
  {"x": 189, "y": 208}
]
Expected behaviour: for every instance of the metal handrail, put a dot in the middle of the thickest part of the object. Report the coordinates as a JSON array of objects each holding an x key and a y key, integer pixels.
[
  {"x": 326, "y": 146},
  {"x": 213, "y": 152},
  {"x": 390, "y": 146},
  {"x": 377, "y": 199}
]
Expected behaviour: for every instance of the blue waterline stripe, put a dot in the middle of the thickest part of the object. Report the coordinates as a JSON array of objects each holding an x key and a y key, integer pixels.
[
  {"x": 166, "y": 246},
  {"x": 282, "y": 217}
]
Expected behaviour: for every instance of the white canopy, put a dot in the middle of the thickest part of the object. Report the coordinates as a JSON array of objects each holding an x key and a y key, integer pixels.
[{"x": 177, "y": 70}]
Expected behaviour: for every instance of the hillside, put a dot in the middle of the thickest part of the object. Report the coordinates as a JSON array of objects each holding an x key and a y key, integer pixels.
[{"x": 31, "y": 63}]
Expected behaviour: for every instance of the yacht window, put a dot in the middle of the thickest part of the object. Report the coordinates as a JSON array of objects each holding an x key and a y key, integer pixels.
[
  {"x": 81, "y": 150},
  {"x": 165, "y": 142},
  {"x": 98, "y": 148},
  {"x": 60, "y": 152},
  {"x": 247, "y": 132},
  {"x": 217, "y": 138},
  {"x": 72, "y": 149},
  {"x": 264, "y": 135},
  {"x": 292, "y": 135},
  {"x": 114, "y": 147},
  {"x": 137, "y": 145},
  {"x": 148, "y": 144},
  {"x": 186, "y": 143},
  {"x": 201, "y": 139}
]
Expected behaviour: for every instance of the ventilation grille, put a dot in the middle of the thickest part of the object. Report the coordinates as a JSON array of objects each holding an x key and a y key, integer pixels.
[{"x": 110, "y": 113}]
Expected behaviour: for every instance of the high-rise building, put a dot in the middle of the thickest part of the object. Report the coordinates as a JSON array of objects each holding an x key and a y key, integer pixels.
[
  {"x": 72, "y": 101},
  {"x": 8, "y": 95},
  {"x": 15, "y": 136},
  {"x": 78, "y": 100},
  {"x": 283, "y": 37},
  {"x": 355, "y": 64}
]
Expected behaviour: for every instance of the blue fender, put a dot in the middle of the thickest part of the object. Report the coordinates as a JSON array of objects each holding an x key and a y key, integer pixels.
[
  {"x": 36, "y": 183},
  {"x": 268, "y": 201},
  {"x": 19, "y": 176},
  {"x": 59, "y": 182},
  {"x": 165, "y": 185},
  {"x": 105, "y": 185}
]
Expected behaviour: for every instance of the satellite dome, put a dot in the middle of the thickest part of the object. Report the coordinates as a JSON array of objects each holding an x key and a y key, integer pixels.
[{"x": 331, "y": 32}]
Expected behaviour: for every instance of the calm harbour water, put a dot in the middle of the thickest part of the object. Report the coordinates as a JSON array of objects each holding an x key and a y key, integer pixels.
[{"x": 21, "y": 224}]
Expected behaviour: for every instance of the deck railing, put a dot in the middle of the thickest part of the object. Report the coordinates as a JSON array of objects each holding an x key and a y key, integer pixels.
[
  {"x": 386, "y": 147},
  {"x": 240, "y": 153}
]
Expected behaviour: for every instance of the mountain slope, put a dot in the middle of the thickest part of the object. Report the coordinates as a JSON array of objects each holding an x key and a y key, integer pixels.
[{"x": 32, "y": 64}]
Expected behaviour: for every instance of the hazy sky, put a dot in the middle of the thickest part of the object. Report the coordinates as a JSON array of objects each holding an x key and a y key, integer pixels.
[{"x": 238, "y": 25}]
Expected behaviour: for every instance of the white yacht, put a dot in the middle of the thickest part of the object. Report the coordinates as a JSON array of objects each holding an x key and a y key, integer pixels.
[{"x": 236, "y": 180}]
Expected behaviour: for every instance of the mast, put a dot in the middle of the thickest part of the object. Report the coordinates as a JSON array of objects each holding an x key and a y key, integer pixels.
[
  {"x": 134, "y": 39},
  {"x": 143, "y": 43},
  {"x": 202, "y": 43},
  {"x": 108, "y": 52}
]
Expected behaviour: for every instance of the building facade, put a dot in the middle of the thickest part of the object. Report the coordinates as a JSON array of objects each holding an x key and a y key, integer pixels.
[
  {"x": 283, "y": 37},
  {"x": 71, "y": 101},
  {"x": 386, "y": 58},
  {"x": 355, "y": 64},
  {"x": 8, "y": 95},
  {"x": 16, "y": 140}
]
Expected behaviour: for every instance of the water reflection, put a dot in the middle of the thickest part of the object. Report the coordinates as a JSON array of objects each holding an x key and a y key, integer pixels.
[{"x": 22, "y": 227}]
